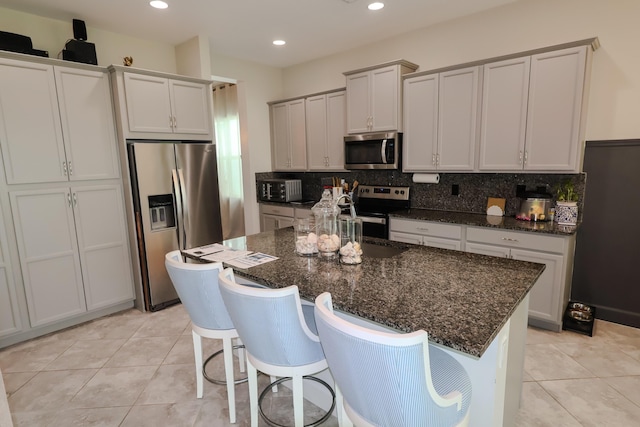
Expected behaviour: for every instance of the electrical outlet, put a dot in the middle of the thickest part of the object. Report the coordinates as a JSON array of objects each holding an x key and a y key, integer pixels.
[{"x": 455, "y": 190}]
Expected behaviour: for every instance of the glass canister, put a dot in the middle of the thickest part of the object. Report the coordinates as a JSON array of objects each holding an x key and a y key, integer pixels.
[
  {"x": 326, "y": 213},
  {"x": 350, "y": 240},
  {"x": 306, "y": 237}
]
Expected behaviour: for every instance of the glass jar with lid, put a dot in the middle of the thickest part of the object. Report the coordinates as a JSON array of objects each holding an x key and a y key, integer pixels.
[
  {"x": 306, "y": 238},
  {"x": 326, "y": 213}
]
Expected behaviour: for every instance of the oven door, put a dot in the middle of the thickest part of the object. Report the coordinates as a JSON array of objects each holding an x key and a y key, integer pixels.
[{"x": 375, "y": 226}]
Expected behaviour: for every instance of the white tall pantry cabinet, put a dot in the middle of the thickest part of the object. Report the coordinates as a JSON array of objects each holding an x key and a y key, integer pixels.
[{"x": 64, "y": 252}]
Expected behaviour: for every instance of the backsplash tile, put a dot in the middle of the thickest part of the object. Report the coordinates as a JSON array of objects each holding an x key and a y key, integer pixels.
[{"x": 474, "y": 188}]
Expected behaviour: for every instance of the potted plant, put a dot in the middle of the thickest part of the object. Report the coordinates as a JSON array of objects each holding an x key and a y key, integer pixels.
[{"x": 566, "y": 204}]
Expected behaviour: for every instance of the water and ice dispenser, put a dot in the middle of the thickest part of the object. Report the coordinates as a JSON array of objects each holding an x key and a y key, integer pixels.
[{"x": 162, "y": 211}]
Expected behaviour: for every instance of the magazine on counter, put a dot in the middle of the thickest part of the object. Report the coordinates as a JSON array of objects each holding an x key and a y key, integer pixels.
[{"x": 251, "y": 260}]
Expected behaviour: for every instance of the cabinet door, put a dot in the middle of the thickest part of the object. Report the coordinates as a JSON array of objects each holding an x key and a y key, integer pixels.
[
  {"x": 274, "y": 222},
  {"x": 48, "y": 252},
  {"x": 190, "y": 107},
  {"x": 405, "y": 237},
  {"x": 554, "y": 111},
  {"x": 30, "y": 132},
  {"x": 297, "y": 135},
  {"x": 546, "y": 295},
  {"x": 336, "y": 129},
  {"x": 504, "y": 114},
  {"x": 316, "y": 127},
  {"x": 148, "y": 103},
  {"x": 420, "y": 139},
  {"x": 384, "y": 98},
  {"x": 437, "y": 242},
  {"x": 358, "y": 102},
  {"x": 457, "y": 121},
  {"x": 102, "y": 244},
  {"x": 280, "y": 136},
  {"x": 479, "y": 248},
  {"x": 9, "y": 314},
  {"x": 88, "y": 126}
]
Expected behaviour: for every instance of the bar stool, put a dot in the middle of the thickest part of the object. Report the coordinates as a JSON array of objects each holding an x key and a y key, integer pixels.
[
  {"x": 384, "y": 379},
  {"x": 279, "y": 342},
  {"x": 197, "y": 287}
]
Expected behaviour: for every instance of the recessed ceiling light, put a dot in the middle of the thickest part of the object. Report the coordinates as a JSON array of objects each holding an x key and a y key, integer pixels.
[
  {"x": 376, "y": 6},
  {"x": 279, "y": 42},
  {"x": 158, "y": 4}
]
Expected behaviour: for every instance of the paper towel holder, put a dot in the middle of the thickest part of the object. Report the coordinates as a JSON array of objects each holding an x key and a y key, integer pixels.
[{"x": 426, "y": 178}]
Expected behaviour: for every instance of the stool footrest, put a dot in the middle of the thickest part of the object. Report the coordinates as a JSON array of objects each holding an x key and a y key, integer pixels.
[{"x": 220, "y": 382}]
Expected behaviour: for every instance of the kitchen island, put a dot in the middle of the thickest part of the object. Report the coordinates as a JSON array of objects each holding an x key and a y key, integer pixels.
[{"x": 473, "y": 306}]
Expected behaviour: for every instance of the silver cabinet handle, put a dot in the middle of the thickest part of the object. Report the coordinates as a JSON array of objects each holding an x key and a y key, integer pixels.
[
  {"x": 433, "y": 159},
  {"x": 520, "y": 156},
  {"x": 422, "y": 229},
  {"x": 64, "y": 168},
  {"x": 175, "y": 122},
  {"x": 526, "y": 156},
  {"x": 507, "y": 239},
  {"x": 170, "y": 121},
  {"x": 75, "y": 199},
  {"x": 437, "y": 159},
  {"x": 70, "y": 169},
  {"x": 69, "y": 198}
]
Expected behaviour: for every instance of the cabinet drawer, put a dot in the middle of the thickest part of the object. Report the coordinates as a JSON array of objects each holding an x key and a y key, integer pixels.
[
  {"x": 303, "y": 213},
  {"x": 516, "y": 239},
  {"x": 277, "y": 210},
  {"x": 426, "y": 228}
]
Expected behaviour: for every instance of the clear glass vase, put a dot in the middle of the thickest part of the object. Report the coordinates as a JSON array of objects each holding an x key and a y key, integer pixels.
[
  {"x": 350, "y": 240},
  {"x": 326, "y": 213}
]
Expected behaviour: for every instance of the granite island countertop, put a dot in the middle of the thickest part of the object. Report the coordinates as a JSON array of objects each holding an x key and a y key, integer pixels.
[
  {"x": 482, "y": 220},
  {"x": 461, "y": 299}
]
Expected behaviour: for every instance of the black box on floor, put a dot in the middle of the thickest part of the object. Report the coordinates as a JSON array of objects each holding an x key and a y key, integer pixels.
[
  {"x": 579, "y": 317},
  {"x": 80, "y": 51}
]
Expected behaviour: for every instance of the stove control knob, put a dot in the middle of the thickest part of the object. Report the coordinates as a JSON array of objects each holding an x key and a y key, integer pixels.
[
  {"x": 397, "y": 191},
  {"x": 401, "y": 191}
]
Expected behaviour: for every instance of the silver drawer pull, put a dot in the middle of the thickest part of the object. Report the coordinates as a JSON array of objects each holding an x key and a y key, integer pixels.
[
  {"x": 422, "y": 229},
  {"x": 509, "y": 240}
]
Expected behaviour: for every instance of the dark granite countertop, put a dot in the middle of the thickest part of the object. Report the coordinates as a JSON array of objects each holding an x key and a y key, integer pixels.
[
  {"x": 480, "y": 220},
  {"x": 461, "y": 299}
]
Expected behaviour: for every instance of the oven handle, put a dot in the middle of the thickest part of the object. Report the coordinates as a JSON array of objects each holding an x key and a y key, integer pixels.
[{"x": 368, "y": 219}]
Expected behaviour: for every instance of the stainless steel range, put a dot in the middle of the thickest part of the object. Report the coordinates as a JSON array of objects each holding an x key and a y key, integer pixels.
[{"x": 374, "y": 203}]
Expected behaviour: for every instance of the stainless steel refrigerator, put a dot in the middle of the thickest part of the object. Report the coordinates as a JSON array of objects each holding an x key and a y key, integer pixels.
[{"x": 176, "y": 204}]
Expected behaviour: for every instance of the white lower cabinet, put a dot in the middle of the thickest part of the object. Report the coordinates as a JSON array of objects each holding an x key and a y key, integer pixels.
[
  {"x": 550, "y": 294},
  {"x": 445, "y": 236},
  {"x": 72, "y": 248},
  {"x": 274, "y": 217},
  {"x": 9, "y": 312}
]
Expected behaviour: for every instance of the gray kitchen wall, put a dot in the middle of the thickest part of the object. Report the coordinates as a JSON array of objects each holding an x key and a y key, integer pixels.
[{"x": 474, "y": 188}]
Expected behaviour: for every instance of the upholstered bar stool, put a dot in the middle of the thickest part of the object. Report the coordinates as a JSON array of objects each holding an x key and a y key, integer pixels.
[
  {"x": 197, "y": 287},
  {"x": 385, "y": 379},
  {"x": 279, "y": 342}
]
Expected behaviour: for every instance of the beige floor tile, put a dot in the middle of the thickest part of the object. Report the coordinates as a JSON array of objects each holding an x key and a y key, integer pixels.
[
  {"x": 526, "y": 377},
  {"x": 629, "y": 387},
  {"x": 32, "y": 355},
  {"x": 547, "y": 362},
  {"x": 539, "y": 409},
  {"x": 13, "y": 382},
  {"x": 630, "y": 346},
  {"x": 542, "y": 336},
  {"x": 85, "y": 355},
  {"x": 602, "y": 361},
  {"x": 593, "y": 402},
  {"x": 175, "y": 415},
  {"x": 34, "y": 418},
  {"x": 182, "y": 351},
  {"x": 142, "y": 352},
  {"x": 169, "y": 322},
  {"x": 616, "y": 331},
  {"x": 95, "y": 417},
  {"x": 50, "y": 390},
  {"x": 114, "y": 387},
  {"x": 171, "y": 384}
]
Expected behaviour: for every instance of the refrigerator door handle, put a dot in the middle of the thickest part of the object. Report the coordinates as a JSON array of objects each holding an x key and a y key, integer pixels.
[
  {"x": 179, "y": 212},
  {"x": 185, "y": 210}
]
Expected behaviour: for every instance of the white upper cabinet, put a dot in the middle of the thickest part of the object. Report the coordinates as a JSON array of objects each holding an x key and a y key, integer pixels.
[
  {"x": 88, "y": 124},
  {"x": 56, "y": 123},
  {"x": 532, "y": 112},
  {"x": 325, "y": 127},
  {"x": 441, "y": 121},
  {"x": 288, "y": 135},
  {"x": 420, "y": 139},
  {"x": 504, "y": 114},
  {"x": 458, "y": 119},
  {"x": 30, "y": 131},
  {"x": 166, "y": 108},
  {"x": 554, "y": 116},
  {"x": 374, "y": 98}
]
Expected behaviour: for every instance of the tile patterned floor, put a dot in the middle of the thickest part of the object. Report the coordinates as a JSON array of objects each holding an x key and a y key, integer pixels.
[{"x": 135, "y": 369}]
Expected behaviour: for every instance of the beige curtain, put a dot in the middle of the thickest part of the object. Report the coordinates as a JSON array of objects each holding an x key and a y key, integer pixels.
[{"x": 227, "y": 129}]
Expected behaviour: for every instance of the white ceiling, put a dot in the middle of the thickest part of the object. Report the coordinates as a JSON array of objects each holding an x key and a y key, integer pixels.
[{"x": 245, "y": 28}]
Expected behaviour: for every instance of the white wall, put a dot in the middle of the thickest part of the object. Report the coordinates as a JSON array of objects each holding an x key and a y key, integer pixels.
[
  {"x": 51, "y": 35},
  {"x": 257, "y": 85},
  {"x": 614, "y": 101}
]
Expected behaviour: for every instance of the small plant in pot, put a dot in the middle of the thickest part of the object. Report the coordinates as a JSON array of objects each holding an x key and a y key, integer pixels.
[{"x": 566, "y": 204}]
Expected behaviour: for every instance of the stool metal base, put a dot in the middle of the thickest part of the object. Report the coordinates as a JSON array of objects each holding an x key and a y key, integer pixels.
[
  {"x": 324, "y": 418},
  {"x": 220, "y": 382}
]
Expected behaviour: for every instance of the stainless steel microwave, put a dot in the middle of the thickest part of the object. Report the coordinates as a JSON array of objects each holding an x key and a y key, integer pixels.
[{"x": 372, "y": 151}]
